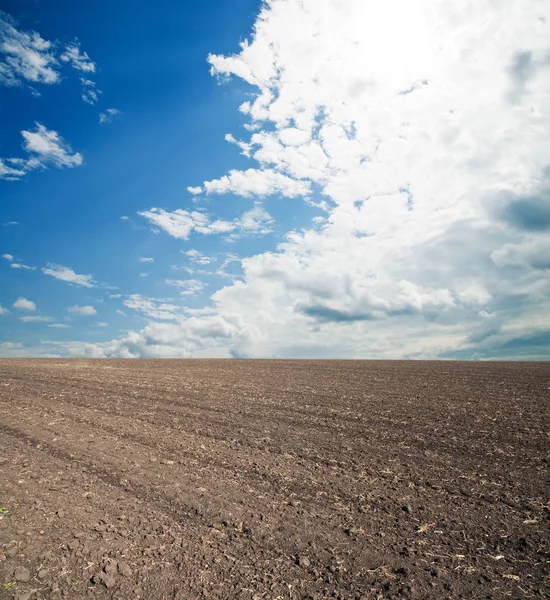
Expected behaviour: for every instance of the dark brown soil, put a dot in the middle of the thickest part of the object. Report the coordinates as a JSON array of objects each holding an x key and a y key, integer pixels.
[{"x": 273, "y": 479}]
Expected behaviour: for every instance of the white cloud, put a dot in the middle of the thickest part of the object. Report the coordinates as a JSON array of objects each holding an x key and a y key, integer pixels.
[
  {"x": 146, "y": 259},
  {"x": 49, "y": 147},
  {"x": 24, "y": 304},
  {"x": 109, "y": 115},
  {"x": 26, "y": 56},
  {"x": 90, "y": 95},
  {"x": 409, "y": 121},
  {"x": 82, "y": 311},
  {"x": 124, "y": 218},
  {"x": 120, "y": 312},
  {"x": 4, "y": 311},
  {"x": 44, "y": 147},
  {"x": 423, "y": 127},
  {"x": 187, "y": 287},
  {"x": 532, "y": 252},
  {"x": 68, "y": 275},
  {"x": 8, "y": 223},
  {"x": 59, "y": 326},
  {"x": 100, "y": 324},
  {"x": 198, "y": 257},
  {"x": 36, "y": 319},
  {"x": 8, "y": 257},
  {"x": 144, "y": 275},
  {"x": 22, "y": 266},
  {"x": 194, "y": 190},
  {"x": 257, "y": 182},
  {"x": 78, "y": 59},
  {"x": 180, "y": 223},
  {"x": 153, "y": 307}
]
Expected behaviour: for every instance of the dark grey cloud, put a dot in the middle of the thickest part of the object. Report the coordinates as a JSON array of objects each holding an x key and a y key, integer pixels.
[{"x": 529, "y": 213}]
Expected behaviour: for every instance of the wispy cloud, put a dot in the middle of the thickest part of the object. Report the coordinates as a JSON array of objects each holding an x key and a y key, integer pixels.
[
  {"x": 78, "y": 59},
  {"x": 8, "y": 257},
  {"x": 90, "y": 93},
  {"x": 4, "y": 311},
  {"x": 48, "y": 146},
  {"x": 82, "y": 311},
  {"x": 44, "y": 147},
  {"x": 68, "y": 275},
  {"x": 109, "y": 115},
  {"x": 36, "y": 319},
  {"x": 26, "y": 56},
  {"x": 187, "y": 287},
  {"x": 9, "y": 223},
  {"x": 59, "y": 326},
  {"x": 180, "y": 223},
  {"x": 198, "y": 257},
  {"x": 146, "y": 259}
]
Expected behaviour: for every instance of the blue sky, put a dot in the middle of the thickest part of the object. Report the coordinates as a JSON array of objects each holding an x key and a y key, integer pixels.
[{"x": 289, "y": 179}]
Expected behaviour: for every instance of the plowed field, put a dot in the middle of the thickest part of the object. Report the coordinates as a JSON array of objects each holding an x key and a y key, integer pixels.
[{"x": 273, "y": 479}]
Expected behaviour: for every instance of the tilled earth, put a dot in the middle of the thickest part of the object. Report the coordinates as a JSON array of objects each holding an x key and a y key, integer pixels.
[{"x": 273, "y": 479}]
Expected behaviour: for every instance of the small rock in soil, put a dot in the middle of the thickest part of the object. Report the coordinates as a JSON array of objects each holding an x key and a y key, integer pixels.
[
  {"x": 42, "y": 574},
  {"x": 107, "y": 580},
  {"x": 21, "y": 595},
  {"x": 111, "y": 568},
  {"x": 22, "y": 574},
  {"x": 124, "y": 569},
  {"x": 304, "y": 562},
  {"x": 11, "y": 552}
]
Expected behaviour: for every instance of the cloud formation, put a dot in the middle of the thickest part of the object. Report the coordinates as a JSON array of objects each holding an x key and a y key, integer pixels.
[
  {"x": 68, "y": 275},
  {"x": 181, "y": 223},
  {"x": 422, "y": 129},
  {"x": 26, "y": 57},
  {"x": 24, "y": 304},
  {"x": 82, "y": 311},
  {"x": 109, "y": 115},
  {"x": 44, "y": 147}
]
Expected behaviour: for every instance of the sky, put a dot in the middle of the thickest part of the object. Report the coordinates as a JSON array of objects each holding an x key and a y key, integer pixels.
[{"x": 279, "y": 179}]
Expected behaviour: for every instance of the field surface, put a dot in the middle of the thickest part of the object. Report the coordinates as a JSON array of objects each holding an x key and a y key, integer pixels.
[{"x": 273, "y": 479}]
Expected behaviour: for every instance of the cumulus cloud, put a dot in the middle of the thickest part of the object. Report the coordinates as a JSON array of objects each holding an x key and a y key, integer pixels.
[
  {"x": 146, "y": 259},
  {"x": 4, "y": 311},
  {"x": 422, "y": 127},
  {"x": 68, "y": 275},
  {"x": 8, "y": 257},
  {"x": 82, "y": 311},
  {"x": 24, "y": 304},
  {"x": 181, "y": 223},
  {"x": 257, "y": 182}
]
